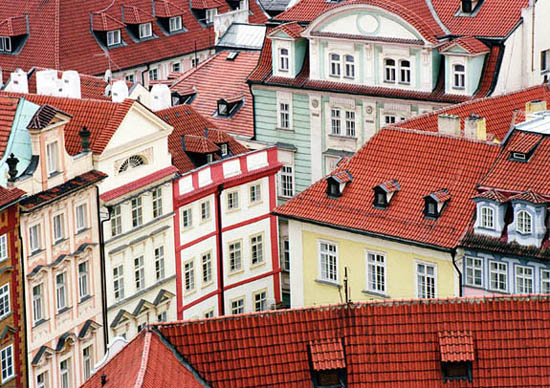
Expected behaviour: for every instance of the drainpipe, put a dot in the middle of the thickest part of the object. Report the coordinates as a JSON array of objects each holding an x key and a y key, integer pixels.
[
  {"x": 219, "y": 236},
  {"x": 453, "y": 256},
  {"x": 103, "y": 276},
  {"x": 143, "y": 80},
  {"x": 23, "y": 322}
]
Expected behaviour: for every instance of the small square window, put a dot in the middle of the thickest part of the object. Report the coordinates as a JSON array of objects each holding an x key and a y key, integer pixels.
[
  {"x": 255, "y": 193},
  {"x": 145, "y": 30},
  {"x": 113, "y": 37},
  {"x": 175, "y": 24}
]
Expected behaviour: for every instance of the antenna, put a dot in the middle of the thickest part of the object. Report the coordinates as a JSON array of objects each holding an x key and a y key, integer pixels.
[{"x": 346, "y": 289}]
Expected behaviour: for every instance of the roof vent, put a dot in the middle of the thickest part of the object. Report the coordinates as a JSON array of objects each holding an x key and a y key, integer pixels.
[
  {"x": 448, "y": 124},
  {"x": 232, "y": 55}
]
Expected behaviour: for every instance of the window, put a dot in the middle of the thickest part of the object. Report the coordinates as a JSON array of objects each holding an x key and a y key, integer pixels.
[
  {"x": 187, "y": 218},
  {"x": 210, "y": 13},
  {"x": 209, "y": 314},
  {"x": 524, "y": 222},
  {"x": 237, "y": 306},
  {"x": 545, "y": 281},
  {"x": 524, "y": 280},
  {"x": 334, "y": 65},
  {"x": 64, "y": 374},
  {"x": 286, "y": 254},
  {"x": 222, "y": 108},
  {"x": 404, "y": 72},
  {"x": 141, "y": 326},
  {"x": 137, "y": 213},
  {"x": 545, "y": 60},
  {"x": 175, "y": 23},
  {"x": 389, "y": 70},
  {"x": 161, "y": 317},
  {"x": 390, "y": 119},
  {"x": 287, "y": 181},
  {"x": 176, "y": 67},
  {"x": 260, "y": 301},
  {"x": 235, "y": 263},
  {"x": 328, "y": 262},
  {"x": 87, "y": 361},
  {"x": 459, "y": 77},
  {"x": 130, "y": 163},
  {"x": 335, "y": 121},
  {"x": 42, "y": 380},
  {"x": 257, "y": 249},
  {"x": 255, "y": 193},
  {"x": 209, "y": 158},
  {"x": 6, "y": 356},
  {"x": 189, "y": 275},
  {"x": 5, "y": 44},
  {"x": 145, "y": 30},
  {"x": 37, "y": 303},
  {"x": 284, "y": 116},
  {"x": 425, "y": 277},
  {"x": 233, "y": 200},
  {"x": 116, "y": 221},
  {"x": 498, "y": 273},
  {"x": 376, "y": 272},
  {"x": 157, "y": 202},
  {"x": 349, "y": 66},
  {"x": 194, "y": 62},
  {"x": 205, "y": 210},
  {"x": 4, "y": 247},
  {"x": 159, "y": 262},
  {"x": 487, "y": 217},
  {"x": 51, "y": 154},
  {"x": 153, "y": 74},
  {"x": 456, "y": 371},
  {"x": 206, "y": 268},
  {"x": 4, "y": 300},
  {"x": 61, "y": 291},
  {"x": 350, "y": 123},
  {"x": 474, "y": 271},
  {"x": 224, "y": 149},
  {"x": 83, "y": 282},
  {"x": 81, "y": 218},
  {"x": 118, "y": 282},
  {"x": 58, "y": 228},
  {"x": 139, "y": 272},
  {"x": 283, "y": 59},
  {"x": 130, "y": 78},
  {"x": 113, "y": 37}
]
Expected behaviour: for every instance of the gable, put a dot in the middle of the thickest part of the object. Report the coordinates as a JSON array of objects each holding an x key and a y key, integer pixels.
[
  {"x": 456, "y": 49},
  {"x": 281, "y": 34}
]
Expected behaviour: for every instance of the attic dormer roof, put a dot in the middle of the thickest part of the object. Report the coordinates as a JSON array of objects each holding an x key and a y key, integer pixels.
[
  {"x": 101, "y": 21},
  {"x": 44, "y": 116},
  {"x": 198, "y": 144},
  {"x": 390, "y": 186},
  {"x": 166, "y": 9},
  {"x": 470, "y": 44},
  {"x": 293, "y": 30},
  {"x": 524, "y": 142},
  {"x": 492, "y": 195},
  {"x": 205, "y": 4},
  {"x": 14, "y": 26},
  {"x": 135, "y": 15},
  {"x": 530, "y": 196},
  {"x": 343, "y": 176},
  {"x": 440, "y": 196}
]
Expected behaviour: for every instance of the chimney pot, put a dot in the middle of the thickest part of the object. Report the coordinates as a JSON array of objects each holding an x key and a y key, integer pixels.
[{"x": 84, "y": 134}]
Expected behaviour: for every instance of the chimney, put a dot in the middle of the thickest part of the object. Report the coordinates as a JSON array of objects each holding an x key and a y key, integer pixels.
[
  {"x": 84, "y": 134},
  {"x": 18, "y": 82},
  {"x": 70, "y": 84},
  {"x": 161, "y": 96},
  {"x": 448, "y": 124},
  {"x": 475, "y": 127},
  {"x": 535, "y": 106},
  {"x": 119, "y": 91}
]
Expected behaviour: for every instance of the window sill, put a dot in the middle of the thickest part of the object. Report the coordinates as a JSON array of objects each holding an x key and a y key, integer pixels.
[
  {"x": 289, "y": 130},
  {"x": 85, "y": 299},
  {"x": 232, "y": 273},
  {"x": 255, "y": 203},
  {"x": 283, "y": 197},
  {"x": 389, "y": 82},
  {"x": 8, "y": 379},
  {"x": 328, "y": 283},
  {"x": 349, "y": 78},
  {"x": 189, "y": 292},
  {"x": 63, "y": 310},
  {"x": 377, "y": 294},
  {"x": 53, "y": 174},
  {"x": 205, "y": 221},
  {"x": 186, "y": 229},
  {"x": 81, "y": 231},
  {"x": 476, "y": 287},
  {"x": 458, "y": 88},
  {"x": 40, "y": 322},
  {"x": 234, "y": 210},
  {"x": 6, "y": 315},
  {"x": 405, "y": 83},
  {"x": 499, "y": 291},
  {"x": 256, "y": 265},
  {"x": 353, "y": 138},
  {"x": 335, "y": 76},
  {"x": 62, "y": 240},
  {"x": 36, "y": 253},
  {"x": 205, "y": 285}
]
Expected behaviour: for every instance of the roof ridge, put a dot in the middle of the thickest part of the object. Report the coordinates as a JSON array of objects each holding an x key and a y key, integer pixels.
[
  {"x": 56, "y": 34},
  {"x": 440, "y": 135},
  {"x": 144, "y": 360}
]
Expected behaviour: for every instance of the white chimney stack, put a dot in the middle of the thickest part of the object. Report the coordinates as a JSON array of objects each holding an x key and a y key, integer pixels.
[
  {"x": 448, "y": 124},
  {"x": 71, "y": 84},
  {"x": 46, "y": 82},
  {"x": 18, "y": 82},
  {"x": 475, "y": 127},
  {"x": 161, "y": 97},
  {"x": 119, "y": 92}
]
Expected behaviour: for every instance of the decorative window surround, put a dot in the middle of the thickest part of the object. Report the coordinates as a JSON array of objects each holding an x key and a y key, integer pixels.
[
  {"x": 284, "y": 111},
  {"x": 426, "y": 280},
  {"x": 376, "y": 272},
  {"x": 328, "y": 261}
]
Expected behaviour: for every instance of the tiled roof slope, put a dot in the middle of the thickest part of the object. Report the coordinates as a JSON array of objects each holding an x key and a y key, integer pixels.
[
  {"x": 386, "y": 344},
  {"x": 144, "y": 363},
  {"x": 422, "y": 162},
  {"x": 499, "y": 111},
  {"x": 468, "y": 43},
  {"x": 8, "y": 108},
  {"x": 60, "y": 36},
  {"x": 235, "y": 73},
  {"x": 9, "y": 195},
  {"x": 187, "y": 121}
]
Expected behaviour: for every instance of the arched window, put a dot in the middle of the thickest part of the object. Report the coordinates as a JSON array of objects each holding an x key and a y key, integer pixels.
[
  {"x": 389, "y": 70},
  {"x": 335, "y": 65},
  {"x": 459, "y": 77},
  {"x": 132, "y": 162},
  {"x": 350, "y": 66},
  {"x": 487, "y": 217},
  {"x": 523, "y": 222},
  {"x": 404, "y": 72}
]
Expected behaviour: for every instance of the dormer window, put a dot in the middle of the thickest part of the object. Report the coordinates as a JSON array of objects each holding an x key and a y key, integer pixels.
[
  {"x": 383, "y": 193},
  {"x": 283, "y": 59},
  {"x": 328, "y": 363},
  {"x": 145, "y": 30},
  {"x": 337, "y": 182},
  {"x": 175, "y": 23},
  {"x": 113, "y": 38},
  {"x": 224, "y": 149},
  {"x": 519, "y": 156},
  {"x": 457, "y": 355},
  {"x": 487, "y": 217},
  {"x": 459, "y": 77},
  {"x": 228, "y": 106},
  {"x": 210, "y": 13},
  {"x": 435, "y": 202},
  {"x": 209, "y": 158},
  {"x": 222, "y": 108},
  {"x": 52, "y": 155},
  {"x": 524, "y": 222},
  {"x": 5, "y": 44}
]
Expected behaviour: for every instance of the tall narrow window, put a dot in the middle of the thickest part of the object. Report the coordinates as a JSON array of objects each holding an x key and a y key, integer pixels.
[
  {"x": 237, "y": 306},
  {"x": 545, "y": 60},
  {"x": 425, "y": 280},
  {"x": 210, "y": 13},
  {"x": 58, "y": 228},
  {"x": 349, "y": 66},
  {"x": 159, "y": 262},
  {"x": 113, "y": 37},
  {"x": 487, "y": 217},
  {"x": 498, "y": 276},
  {"x": 4, "y": 300},
  {"x": 5, "y": 44},
  {"x": 87, "y": 361},
  {"x": 376, "y": 272},
  {"x": 153, "y": 74},
  {"x": 404, "y": 72},
  {"x": 137, "y": 212},
  {"x": 118, "y": 282},
  {"x": 284, "y": 116},
  {"x": 189, "y": 275},
  {"x": 139, "y": 272},
  {"x": 335, "y": 65},
  {"x": 157, "y": 202},
  {"x": 6, "y": 357},
  {"x": 37, "y": 304},
  {"x": 64, "y": 374},
  {"x": 524, "y": 280},
  {"x": 206, "y": 268},
  {"x": 474, "y": 271},
  {"x": 233, "y": 200},
  {"x": 257, "y": 249},
  {"x": 175, "y": 23},
  {"x": 81, "y": 217},
  {"x": 287, "y": 181},
  {"x": 235, "y": 262},
  {"x": 255, "y": 193},
  {"x": 545, "y": 281},
  {"x": 389, "y": 70},
  {"x": 116, "y": 221},
  {"x": 51, "y": 154},
  {"x": 205, "y": 210},
  {"x": 83, "y": 280},
  {"x": 283, "y": 59},
  {"x": 336, "y": 121},
  {"x": 61, "y": 291},
  {"x": 285, "y": 254},
  {"x": 523, "y": 222},
  {"x": 459, "y": 77},
  {"x": 260, "y": 301},
  {"x": 187, "y": 218},
  {"x": 3, "y": 247},
  {"x": 42, "y": 380},
  {"x": 350, "y": 123},
  {"x": 328, "y": 262},
  {"x": 145, "y": 30}
]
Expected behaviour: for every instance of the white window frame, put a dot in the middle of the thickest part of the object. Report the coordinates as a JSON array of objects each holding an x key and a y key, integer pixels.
[
  {"x": 404, "y": 72},
  {"x": 42, "y": 382},
  {"x": 545, "y": 281},
  {"x": 139, "y": 272},
  {"x": 205, "y": 210},
  {"x": 81, "y": 216},
  {"x": 5, "y": 44},
  {"x": 206, "y": 266},
  {"x": 58, "y": 227},
  {"x": 176, "y": 67},
  {"x": 153, "y": 74},
  {"x": 210, "y": 14},
  {"x": 116, "y": 221},
  {"x": 187, "y": 218},
  {"x": 61, "y": 291},
  {"x": 328, "y": 271},
  {"x": 335, "y": 65},
  {"x": 257, "y": 256},
  {"x": 255, "y": 193},
  {"x": 159, "y": 263},
  {"x": 487, "y": 217},
  {"x": 349, "y": 66},
  {"x": 285, "y": 249},
  {"x": 113, "y": 38},
  {"x": 424, "y": 293},
  {"x": 336, "y": 121},
  {"x": 175, "y": 23},
  {"x": 6, "y": 360},
  {"x": 233, "y": 200},
  {"x": 473, "y": 271},
  {"x": 38, "y": 307},
  {"x": 157, "y": 202},
  {"x": 137, "y": 212},
  {"x": 284, "y": 115},
  {"x": 237, "y": 305},
  {"x": 524, "y": 222},
  {"x": 284, "y": 59},
  {"x": 235, "y": 256},
  {"x": 262, "y": 301},
  {"x": 87, "y": 361},
  {"x": 350, "y": 120},
  {"x": 459, "y": 76},
  {"x": 499, "y": 272},
  {"x": 376, "y": 272},
  {"x": 83, "y": 279},
  {"x": 390, "y": 119},
  {"x": 130, "y": 77},
  {"x": 521, "y": 279},
  {"x": 65, "y": 373},
  {"x": 52, "y": 155},
  {"x": 390, "y": 71},
  {"x": 286, "y": 181},
  {"x": 118, "y": 282},
  {"x": 4, "y": 247},
  {"x": 5, "y": 302},
  {"x": 145, "y": 30},
  {"x": 189, "y": 275}
]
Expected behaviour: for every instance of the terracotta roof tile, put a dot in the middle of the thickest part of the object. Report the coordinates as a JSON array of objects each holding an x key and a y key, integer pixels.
[
  {"x": 342, "y": 176},
  {"x": 292, "y": 29},
  {"x": 198, "y": 144},
  {"x": 327, "y": 354},
  {"x": 403, "y": 155},
  {"x": 42, "y": 117},
  {"x": 390, "y": 186},
  {"x": 102, "y": 21},
  {"x": 8, "y": 108},
  {"x": 205, "y": 4},
  {"x": 441, "y": 196},
  {"x": 135, "y": 15},
  {"x": 13, "y": 26},
  {"x": 524, "y": 142},
  {"x": 530, "y": 196},
  {"x": 456, "y": 346},
  {"x": 9, "y": 195},
  {"x": 493, "y": 195},
  {"x": 468, "y": 43},
  {"x": 166, "y": 9}
]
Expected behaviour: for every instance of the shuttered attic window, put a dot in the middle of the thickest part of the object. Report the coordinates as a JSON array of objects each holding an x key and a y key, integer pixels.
[
  {"x": 457, "y": 355},
  {"x": 328, "y": 363},
  {"x": 337, "y": 182},
  {"x": 435, "y": 203},
  {"x": 384, "y": 193}
]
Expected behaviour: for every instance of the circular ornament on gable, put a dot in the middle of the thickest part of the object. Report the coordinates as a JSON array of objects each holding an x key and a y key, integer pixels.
[
  {"x": 368, "y": 110},
  {"x": 367, "y": 24},
  {"x": 315, "y": 103}
]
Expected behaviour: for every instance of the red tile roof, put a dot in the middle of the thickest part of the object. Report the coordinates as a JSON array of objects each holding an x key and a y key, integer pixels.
[
  {"x": 146, "y": 362},
  {"x": 139, "y": 183},
  {"x": 135, "y": 15},
  {"x": 342, "y": 176},
  {"x": 403, "y": 155},
  {"x": 442, "y": 195},
  {"x": 166, "y": 9},
  {"x": 8, "y": 196},
  {"x": 199, "y": 144},
  {"x": 60, "y": 35},
  {"x": 292, "y": 29},
  {"x": 232, "y": 83},
  {"x": 456, "y": 346},
  {"x": 205, "y": 4},
  {"x": 493, "y": 195},
  {"x": 42, "y": 117},
  {"x": 498, "y": 111},
  {"x": 524, "y": 142},
  {"x": 13, "y": 26},
  {"x": 327, "y": 354},
  {"x": 468, "y": 43},
  {"x": 8, "y": 108},
  {"x": 390, "y": 186},
  {"x": 386, "y": 344},
  {"x": 530, "y": 196}
]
